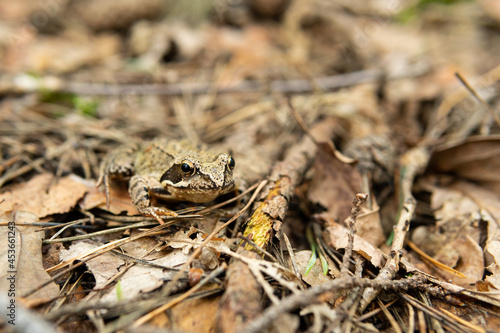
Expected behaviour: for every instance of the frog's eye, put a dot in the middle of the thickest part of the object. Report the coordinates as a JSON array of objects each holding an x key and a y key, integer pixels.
[
  {"x": 187, "y": 167},
  {"x": 231, "y": 163}
]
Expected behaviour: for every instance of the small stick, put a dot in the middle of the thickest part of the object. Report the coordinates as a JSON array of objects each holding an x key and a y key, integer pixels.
[
  {"x": 31, "y": 84},
  {"x": 359, "y": 200}
]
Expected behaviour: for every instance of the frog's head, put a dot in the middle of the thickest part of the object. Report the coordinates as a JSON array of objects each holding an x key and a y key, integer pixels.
[{"x": 199, "y": 177}]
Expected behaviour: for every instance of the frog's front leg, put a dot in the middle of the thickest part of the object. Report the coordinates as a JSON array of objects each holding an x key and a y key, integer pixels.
[
  {"x": 120, "y": 164},
  {"x": 139, "y": 187}
]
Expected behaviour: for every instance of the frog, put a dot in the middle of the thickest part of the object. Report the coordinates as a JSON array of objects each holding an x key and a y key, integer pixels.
[{"x": 173, "y": 170}]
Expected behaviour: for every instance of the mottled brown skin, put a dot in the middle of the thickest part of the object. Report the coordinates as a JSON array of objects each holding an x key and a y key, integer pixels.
[{"x": 168, "y": 169}]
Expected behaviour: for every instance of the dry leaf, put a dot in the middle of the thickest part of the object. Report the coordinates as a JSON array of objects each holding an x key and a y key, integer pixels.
[
  {"x": 137, "y": 279},
  {"x": 492, "y": 257},
  {"x": 457, "y": 215},
  {"x": 315, "y": 276},
  {"x": 336, "y": 236},
  {"x": 195, "y": 315},
  {"x": 468, "y": 262},
  {"x": 119, "y": 200},
  {"x": 335, "y": 183},
  {"x": 477, "y": 159},
  {"x": 461, "y": 210},
  {"x": 28, "y": 268},
  {"x": 44, "y": 195}
]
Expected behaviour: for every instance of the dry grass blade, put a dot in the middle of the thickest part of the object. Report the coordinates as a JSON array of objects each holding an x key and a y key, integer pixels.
[
  {"x": 14, "y": 173},
  {"x": 441, "y": 317},
  {"x": 391, "y": 319},
  {"x": 474, "y": 328},
  {"x": 434, "y": 261}
]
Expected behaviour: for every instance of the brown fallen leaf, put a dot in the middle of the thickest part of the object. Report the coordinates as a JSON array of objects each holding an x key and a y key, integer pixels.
[
  {"x": 137, "y": 279},
  {"x": 478, "y": 158},
  {"x": 119, "y": 200},
  {"x": 28, "y": 268},
  {"x": 336, "y": 181},
  {"x": 439, "y": 264},
  {"x": 195, "y": 315},
  {"x": 492, "y": 257},
  {"x": 471, "y": 262},
  {"x": 44, "y": 195},
  {"x": 456, "y": 213},
  {"x": 461, "y": 209},
  {"x": 336, "y": 236},
  {"x": 315, "y": 275}
]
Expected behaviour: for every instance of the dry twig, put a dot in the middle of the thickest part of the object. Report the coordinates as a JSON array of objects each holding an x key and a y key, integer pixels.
[
  {"x": 272, "y": 209},
  {"x": 359, "y": 200},
  {"x": 25, "y": 84}
]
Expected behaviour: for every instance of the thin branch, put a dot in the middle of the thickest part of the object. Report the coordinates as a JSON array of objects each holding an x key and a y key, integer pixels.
[
  {"x": 359, "y": 200},
  {"x": 25, "y": 83}
]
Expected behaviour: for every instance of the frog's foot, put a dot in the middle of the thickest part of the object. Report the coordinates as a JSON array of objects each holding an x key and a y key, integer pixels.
[
  {"x": 119, "y": 164},
  {"x": 156, "y": 212}
]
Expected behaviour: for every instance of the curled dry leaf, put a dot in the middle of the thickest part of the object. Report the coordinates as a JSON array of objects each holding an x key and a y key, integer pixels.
[
  {"x": 45, "y": 195},
  {"x": 28, "y": 253},
  {"x": 492, "y": 258}
]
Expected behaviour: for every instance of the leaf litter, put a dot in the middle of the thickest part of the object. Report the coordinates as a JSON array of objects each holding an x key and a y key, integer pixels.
[{"x": 325, "y": 100}]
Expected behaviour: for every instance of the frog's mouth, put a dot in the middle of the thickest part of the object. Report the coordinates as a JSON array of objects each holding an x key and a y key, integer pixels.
[
  {"x": 197, "y": 194},
  {"x": 196, "y": 191}
]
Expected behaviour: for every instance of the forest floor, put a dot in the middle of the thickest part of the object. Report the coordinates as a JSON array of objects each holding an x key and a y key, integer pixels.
[{"x": 366, "y": 142}]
